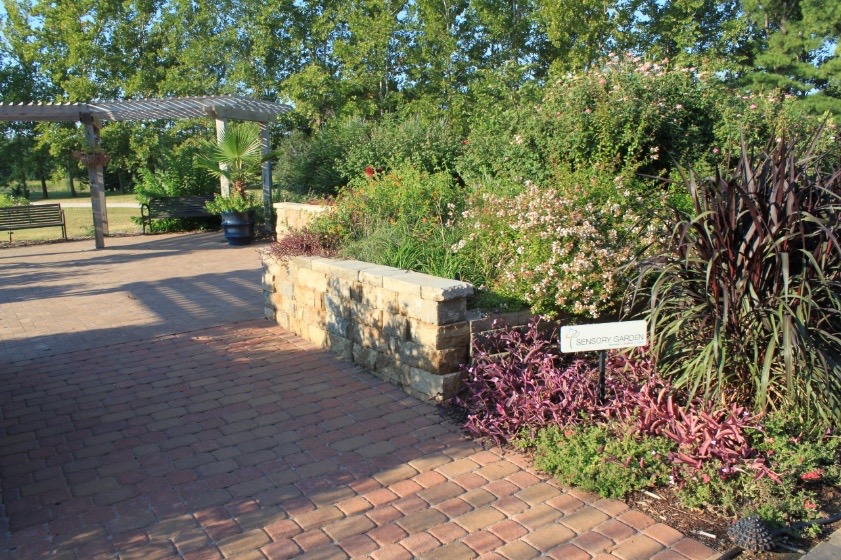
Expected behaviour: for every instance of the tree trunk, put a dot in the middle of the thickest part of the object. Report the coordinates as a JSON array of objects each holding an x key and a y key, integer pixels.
[
  {"x": 70, "y": 184},
  {"x": 43, "y": 180}
]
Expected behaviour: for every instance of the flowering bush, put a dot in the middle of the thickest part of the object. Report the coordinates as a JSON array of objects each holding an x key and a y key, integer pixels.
[
  {"x": 560, "y": 249},
  {"x": 621, "y": 116},
  {"x": 631, "y": 112}
]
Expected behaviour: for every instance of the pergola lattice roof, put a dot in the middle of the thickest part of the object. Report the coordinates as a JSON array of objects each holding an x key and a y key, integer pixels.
[{"x": 214, "y": 106}]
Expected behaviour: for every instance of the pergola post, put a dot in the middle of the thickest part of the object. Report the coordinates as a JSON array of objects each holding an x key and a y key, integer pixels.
[
  {"x": 97, "y": 180},
  {"x": 265, "y": 139},
  {"x": 221, "y": 125}
]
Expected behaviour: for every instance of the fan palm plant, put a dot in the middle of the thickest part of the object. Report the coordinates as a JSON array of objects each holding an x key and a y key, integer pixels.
[{"x": 236, "y": 156}]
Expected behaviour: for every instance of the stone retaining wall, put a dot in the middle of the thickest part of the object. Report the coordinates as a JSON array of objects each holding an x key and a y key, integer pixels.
[
  {"x": 406, "y": 327},
  {"x": 292, "y": 216}
]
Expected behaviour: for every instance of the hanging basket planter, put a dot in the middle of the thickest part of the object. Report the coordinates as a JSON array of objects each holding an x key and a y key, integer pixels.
[{"x": 92, "y": 159}]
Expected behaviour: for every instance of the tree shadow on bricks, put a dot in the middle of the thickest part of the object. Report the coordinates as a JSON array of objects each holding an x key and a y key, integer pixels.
[{"x": 235, "y": 438}]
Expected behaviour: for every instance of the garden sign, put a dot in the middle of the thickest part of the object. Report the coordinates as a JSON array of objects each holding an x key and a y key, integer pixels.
[{"x": 603, "y": 337}]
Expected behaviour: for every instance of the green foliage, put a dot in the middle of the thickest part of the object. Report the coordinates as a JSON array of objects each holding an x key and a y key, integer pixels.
[
  {"x": 427, "y": 143},
  {"x": 236, "y": 202},
  {"x": 799, "y": 456},
  {"x": 309, "y": 164},
  {"x": 236, "y": 156},
  {"x": 397, "y": 218},
  {"x": 745, "y": 304},
  {"x": 8, "y": 200},
  {"x": 753, "y": 119},
  {"x": 167, "y": 183},
  {"x": 506, "y": 144},
  {"x": 611, "y": 461}
]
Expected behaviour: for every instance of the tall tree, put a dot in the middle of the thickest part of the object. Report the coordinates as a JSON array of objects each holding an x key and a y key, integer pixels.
[
  {"x": 371, "y": 53},
  {"x": 583, "y": 31},
  {"x": 795, "y": 49},
  {"x": 708, "y": 33},
  {"x": 21, "y": 82},
  {"x": 438, "y": 66}
]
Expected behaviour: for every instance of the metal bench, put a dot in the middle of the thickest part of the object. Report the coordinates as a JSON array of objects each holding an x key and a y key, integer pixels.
[
  {"x": 174, "y": 207},
  {"x": 36, "y": 216}
]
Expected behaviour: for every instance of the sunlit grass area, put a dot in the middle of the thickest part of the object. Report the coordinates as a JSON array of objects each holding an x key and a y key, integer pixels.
[
  {"x": 81, "y": 196},
  {"x": 79, "y": 225}
]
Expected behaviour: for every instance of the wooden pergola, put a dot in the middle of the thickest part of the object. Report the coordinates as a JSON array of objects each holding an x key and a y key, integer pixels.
[{"x": 92, "y": 115}]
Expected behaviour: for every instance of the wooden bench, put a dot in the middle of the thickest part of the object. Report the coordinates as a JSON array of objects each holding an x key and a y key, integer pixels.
[
  {"x": 36, "y": 216},
  {"x": 174, "y": 207}
]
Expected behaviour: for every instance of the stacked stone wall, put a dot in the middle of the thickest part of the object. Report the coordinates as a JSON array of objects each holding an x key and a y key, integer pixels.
[
  {"x": 406, "y": 327},
  {"x": 292, "y": 216}
]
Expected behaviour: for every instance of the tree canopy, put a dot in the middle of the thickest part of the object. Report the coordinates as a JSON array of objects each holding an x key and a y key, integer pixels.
[{"x": 367, "y": 58}]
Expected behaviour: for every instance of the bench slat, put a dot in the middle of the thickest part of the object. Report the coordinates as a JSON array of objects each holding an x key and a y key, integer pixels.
[
  {"x": 175, "y": 207},
  {"x": 29, "y": 217}
]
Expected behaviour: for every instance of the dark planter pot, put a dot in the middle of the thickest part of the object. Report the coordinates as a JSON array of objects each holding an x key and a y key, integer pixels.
[{"x": 239, "y": 227}]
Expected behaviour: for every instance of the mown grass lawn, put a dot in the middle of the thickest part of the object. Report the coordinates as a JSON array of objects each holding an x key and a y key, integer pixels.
[
  {"x": 81, "y": 196},
  {"x": 79, "y": 223}
]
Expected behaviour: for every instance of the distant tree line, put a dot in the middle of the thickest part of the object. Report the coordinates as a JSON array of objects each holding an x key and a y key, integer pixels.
[{"x": 370, "y": 58}]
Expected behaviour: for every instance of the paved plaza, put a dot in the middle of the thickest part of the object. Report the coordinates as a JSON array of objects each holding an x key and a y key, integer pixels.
[{"x": 149, "y": 411}]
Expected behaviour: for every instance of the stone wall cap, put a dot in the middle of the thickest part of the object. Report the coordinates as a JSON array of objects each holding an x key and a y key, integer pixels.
[
  {"x": 431, "y": 287},
  {"x": 301, "y": 206},
  {"x": 374, "y": 276}
]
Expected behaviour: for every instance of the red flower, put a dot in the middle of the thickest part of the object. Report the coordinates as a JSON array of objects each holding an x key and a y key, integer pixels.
[
  {"x": 808, "y": 504},
  {"x": 369, "y": 171},
  {"x": 816, "y": 474}
]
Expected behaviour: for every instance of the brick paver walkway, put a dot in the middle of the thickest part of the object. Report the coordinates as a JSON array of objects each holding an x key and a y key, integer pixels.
[{"x": 165, "y": 437}]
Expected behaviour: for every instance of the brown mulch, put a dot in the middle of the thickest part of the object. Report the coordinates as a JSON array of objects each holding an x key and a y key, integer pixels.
[{"x": 711, "y": 527}]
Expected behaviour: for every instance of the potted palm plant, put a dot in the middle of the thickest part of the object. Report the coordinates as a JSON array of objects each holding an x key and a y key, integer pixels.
[{"x": 236, "y": 156}]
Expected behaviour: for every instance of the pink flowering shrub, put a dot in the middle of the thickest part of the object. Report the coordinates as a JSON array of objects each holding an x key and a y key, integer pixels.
[
  {"x": 629, "y": 111},
  {"x": 561, "y": 249}
]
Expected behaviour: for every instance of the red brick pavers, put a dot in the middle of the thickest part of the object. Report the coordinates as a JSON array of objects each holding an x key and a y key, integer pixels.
[{"x": 244, "y": 441}]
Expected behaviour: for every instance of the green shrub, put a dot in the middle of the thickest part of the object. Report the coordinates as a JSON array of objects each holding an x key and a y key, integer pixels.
[
  {"x": 309, "y": 164},
  {"x": 399, "y": 218},
  {"x": 559, "y": 249},
  {"x": 429, "y": 144},
  {"x": 8, "y": 200},
  {"x": 745, "y": 305},
  {"x": 170, "y": 182},
  {"x": 506, "y": 145},
  {"x": 611, "y": 461}
]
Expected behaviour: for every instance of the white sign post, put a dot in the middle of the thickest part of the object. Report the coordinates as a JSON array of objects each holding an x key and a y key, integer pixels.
[{"x": 602, "y": 337}]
